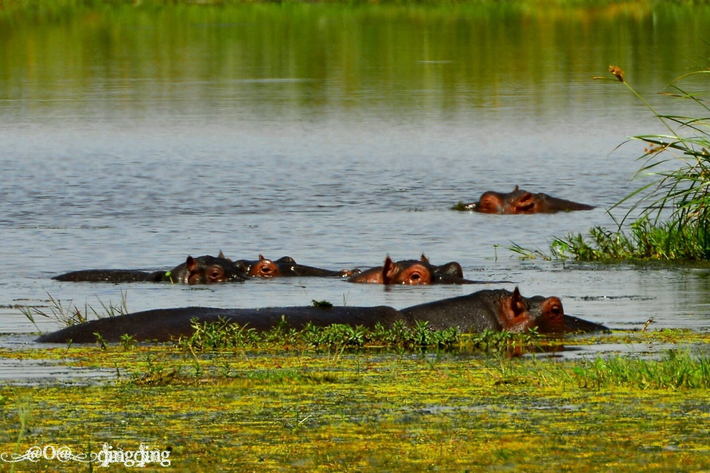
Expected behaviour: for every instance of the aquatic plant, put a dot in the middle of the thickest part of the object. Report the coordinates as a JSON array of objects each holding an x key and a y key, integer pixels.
[
  {"x": 24, "y": 413},
  {"x": 321, "y": 303},
  {"x": 527, "y": 253},
  {"x": 271, "y": 409},
  {"x": 643, "y": 240},
  {"x": 672, "y": 209},
  {"x": 128, "y": 342},
  {"x": 68, "y": 315},
  {"x": 676, "y": 370},
  {"x": 223, "y": 335}
]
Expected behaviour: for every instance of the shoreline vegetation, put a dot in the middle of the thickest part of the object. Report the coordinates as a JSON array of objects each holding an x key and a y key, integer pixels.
[
  {"x": 346, "y": 399},
  {"x": 671, "y": 221},
  {"x": 275, "y": 407},
  {"x": 57, "y": 9},
  {"x": 50, "y": 4}
]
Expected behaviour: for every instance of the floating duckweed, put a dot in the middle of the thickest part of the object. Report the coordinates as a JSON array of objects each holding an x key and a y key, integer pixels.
[{"x": 268, "y": 409}]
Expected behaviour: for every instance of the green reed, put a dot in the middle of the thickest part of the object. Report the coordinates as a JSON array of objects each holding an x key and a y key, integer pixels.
[
  {"x": 675, "y": 370},
  {"x": 673, "y": 222},
  {"x": 68, "y": 314}
]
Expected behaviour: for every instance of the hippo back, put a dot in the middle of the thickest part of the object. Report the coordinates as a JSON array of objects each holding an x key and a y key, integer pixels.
[
  {"x": 472, "y": 313},
  {"x": 166, "y": 324}
]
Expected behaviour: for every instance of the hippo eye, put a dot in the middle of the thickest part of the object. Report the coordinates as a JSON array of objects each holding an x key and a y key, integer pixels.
[
  {"x": 415, "y": 279},
  {"x": 215, "y": 274}
]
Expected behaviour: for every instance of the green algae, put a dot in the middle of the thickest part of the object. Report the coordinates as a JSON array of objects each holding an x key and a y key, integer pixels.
[{"x": 283, "y": 408}]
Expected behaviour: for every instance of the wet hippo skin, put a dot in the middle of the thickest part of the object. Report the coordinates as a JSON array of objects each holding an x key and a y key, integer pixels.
[
  {"x": 284, "y": 267},
  {"x": 496, "y": 309},
  {"x": 166, "y": 324},
  {"x": 415, "y": 272},
  {"x": 522, "y": 202},
  {"x": 493, "y": 309},
  {"x": 201, "y": 270}
]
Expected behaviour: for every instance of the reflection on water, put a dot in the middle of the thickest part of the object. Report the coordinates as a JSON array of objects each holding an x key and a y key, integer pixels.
[{"x": 132, "y": 137}]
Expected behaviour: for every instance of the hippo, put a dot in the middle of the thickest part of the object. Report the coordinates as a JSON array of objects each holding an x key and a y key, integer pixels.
[
  {"x": 201, "y": 270},
  {"x": 497, "y": 309},
  {"x": 521, "y": 201},
  {"x": 284, "y": 267},
  {"x": 169, "y": 324},
  {"x": 415, "y": 272},
  {"x": 205, "y": 270}
]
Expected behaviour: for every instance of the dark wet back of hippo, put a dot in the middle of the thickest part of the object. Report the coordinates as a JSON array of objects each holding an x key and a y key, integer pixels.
[
  {"x": 166, "y": 324},
  {"x": 472, "y": 313},
  {"x": 110, "y": 276}
]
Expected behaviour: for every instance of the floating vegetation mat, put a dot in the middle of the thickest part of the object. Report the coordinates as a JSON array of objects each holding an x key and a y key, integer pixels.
[{"x": 294, "y": 409}]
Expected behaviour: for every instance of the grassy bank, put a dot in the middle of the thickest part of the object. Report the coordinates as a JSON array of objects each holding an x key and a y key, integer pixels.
[
  {"x": 57, "y": 10},
  {"x": 275, "y": 409},
  {"x": 56, "y": 4}
]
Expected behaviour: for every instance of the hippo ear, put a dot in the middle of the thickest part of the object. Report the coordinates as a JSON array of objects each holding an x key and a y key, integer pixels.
[
  {"x": 424, "y": 259},
  {"x": 517, "y": 304},
  {"x": 221, "y": 255},
  {"x": 516, "y": 189},
  {"x": 261, "y": 257},
  {"x": 191, "y": 264},
  {"x": 386, "y": 269}
]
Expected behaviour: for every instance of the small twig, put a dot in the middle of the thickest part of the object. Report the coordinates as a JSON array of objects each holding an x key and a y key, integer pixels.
[{"x": 648, "y": 322}]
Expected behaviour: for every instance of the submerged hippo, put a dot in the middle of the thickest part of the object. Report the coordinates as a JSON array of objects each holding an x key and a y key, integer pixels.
[
  {"x": 491, "y": 309},
  {"x": 521, "y": 202},
  {"x": 201, "y": 270},
  {"x": 414, "y": 272},
  {"x": 284, "y": 267}
]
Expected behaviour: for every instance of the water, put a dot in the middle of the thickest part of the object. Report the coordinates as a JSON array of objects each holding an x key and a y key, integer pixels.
[{"x": 130, "y": 138}]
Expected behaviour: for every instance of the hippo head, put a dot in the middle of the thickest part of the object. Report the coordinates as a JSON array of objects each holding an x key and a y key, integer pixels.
[
  {"x": 210, "y": 270},
  {"x": 410, "y": 272},
  {"x": 519, "y": 313},
  {"x": 264, "y": 268},
  {"x": 517, "y": 202},
  {"x": 549, "y": 314},
  {"x": 490, "y": 203}
]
